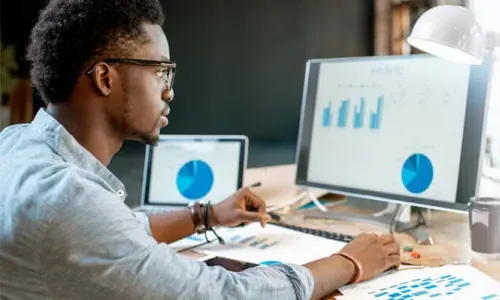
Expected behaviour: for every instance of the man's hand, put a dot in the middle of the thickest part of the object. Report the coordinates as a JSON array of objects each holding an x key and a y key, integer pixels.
[
  {"x": 373, "y": 254},
  {"x": 369, "y": 255},
  {"x": 240, "y": 208}
]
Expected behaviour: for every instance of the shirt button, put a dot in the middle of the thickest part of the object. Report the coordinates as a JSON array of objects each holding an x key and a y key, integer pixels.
[{"x": 120, "y": 193}]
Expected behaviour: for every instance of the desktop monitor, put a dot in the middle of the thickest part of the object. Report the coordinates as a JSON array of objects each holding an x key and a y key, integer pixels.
[
  {"x": 403, "y": 129},
  {"x": 184, "y": 168}
]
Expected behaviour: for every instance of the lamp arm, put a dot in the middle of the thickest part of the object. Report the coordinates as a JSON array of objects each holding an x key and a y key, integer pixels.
[{"x": 492, "y": 40}]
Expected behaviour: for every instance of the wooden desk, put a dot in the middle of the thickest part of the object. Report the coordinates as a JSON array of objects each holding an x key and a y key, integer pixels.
[{"x": 450, "y": 231}]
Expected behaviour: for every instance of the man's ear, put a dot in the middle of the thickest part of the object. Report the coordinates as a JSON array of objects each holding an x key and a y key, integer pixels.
[{"x": 102, "y": 78}]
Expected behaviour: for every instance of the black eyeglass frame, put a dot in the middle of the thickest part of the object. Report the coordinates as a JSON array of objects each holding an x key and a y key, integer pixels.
[{"x": 144, "y": 62}]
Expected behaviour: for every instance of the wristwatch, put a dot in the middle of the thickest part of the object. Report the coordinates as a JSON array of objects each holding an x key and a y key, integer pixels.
[{"x": 197, "y": 216}]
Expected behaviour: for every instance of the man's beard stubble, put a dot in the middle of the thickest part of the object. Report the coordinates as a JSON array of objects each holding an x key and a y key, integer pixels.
[{"x": 149, "y": 138}]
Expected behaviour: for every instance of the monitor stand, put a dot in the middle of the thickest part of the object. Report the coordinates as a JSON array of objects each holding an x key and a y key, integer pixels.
[{"x": 390, "y": 218}]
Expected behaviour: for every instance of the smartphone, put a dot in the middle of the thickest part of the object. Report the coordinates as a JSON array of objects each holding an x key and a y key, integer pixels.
[{"x": 229, "y": 264}]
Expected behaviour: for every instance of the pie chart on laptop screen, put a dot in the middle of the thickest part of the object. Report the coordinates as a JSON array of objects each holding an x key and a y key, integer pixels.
[
  {"x": 195, "y": 179},
  {"x": 417, "y": 173}
]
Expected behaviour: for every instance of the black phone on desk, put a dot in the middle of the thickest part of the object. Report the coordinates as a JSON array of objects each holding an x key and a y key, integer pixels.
[{"x": 229, "y": 264}]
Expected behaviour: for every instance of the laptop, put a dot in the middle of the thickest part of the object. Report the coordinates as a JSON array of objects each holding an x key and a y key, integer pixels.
[{"x": 181, "y": 169}]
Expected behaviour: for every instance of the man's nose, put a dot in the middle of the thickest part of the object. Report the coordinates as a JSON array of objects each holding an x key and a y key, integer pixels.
[{"x": 167, "y": 95}]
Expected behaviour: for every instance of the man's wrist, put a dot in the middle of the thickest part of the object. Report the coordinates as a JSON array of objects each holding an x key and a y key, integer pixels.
[
  {"x": 351, "y": 270},
  {"x": 212, "y": 216},
  {"x": 199, "y": 215},
  {"x": 330, "y": 273}
]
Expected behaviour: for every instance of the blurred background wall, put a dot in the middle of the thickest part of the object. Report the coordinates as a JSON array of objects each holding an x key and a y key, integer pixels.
[{"x": 240, "y": 65}]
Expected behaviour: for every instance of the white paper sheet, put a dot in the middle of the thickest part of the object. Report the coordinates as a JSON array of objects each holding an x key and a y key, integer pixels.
[
  {"x": 447, "y": 282},
  {"x": 268, "y": 245}
]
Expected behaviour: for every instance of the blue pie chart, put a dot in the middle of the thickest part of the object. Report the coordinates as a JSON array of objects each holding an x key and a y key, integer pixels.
[
  {"x": 270, "y": 263},
  {"x": 194, "y": 238},
  {"x": 195, "y": 179},
  {"x": 417, "y": 173}
]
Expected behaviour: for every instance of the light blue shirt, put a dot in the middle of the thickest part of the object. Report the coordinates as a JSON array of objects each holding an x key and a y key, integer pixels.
[{"x": 65, "y": 233}]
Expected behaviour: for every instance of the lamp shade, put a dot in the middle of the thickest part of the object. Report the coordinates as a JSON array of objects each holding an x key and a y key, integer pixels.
[{"x": 450, "y": 32}]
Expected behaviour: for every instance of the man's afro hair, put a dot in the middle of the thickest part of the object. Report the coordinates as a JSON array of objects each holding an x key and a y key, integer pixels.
[{"x": 72, "y": 34}]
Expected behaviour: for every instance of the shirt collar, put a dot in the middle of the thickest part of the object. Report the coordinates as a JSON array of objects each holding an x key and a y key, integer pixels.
[{"x": 67, "y": 147}]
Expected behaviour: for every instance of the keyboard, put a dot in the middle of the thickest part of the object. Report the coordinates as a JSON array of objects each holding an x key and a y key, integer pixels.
[{"x": 317, "y": 232}]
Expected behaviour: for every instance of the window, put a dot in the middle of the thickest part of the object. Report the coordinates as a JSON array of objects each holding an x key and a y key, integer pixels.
[{"x": 486, "y": 12}]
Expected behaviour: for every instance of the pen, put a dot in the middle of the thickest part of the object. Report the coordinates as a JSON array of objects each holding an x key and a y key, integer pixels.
[
  {"x": 274, "y": 216},
  {"x": 255, "y": 184}
]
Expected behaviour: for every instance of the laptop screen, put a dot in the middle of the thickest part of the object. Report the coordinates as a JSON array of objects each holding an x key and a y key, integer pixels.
[{"x": 182, "y": 169}]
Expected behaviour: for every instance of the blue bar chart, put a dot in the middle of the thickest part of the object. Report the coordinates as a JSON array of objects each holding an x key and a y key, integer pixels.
[
  {"x": 253, "y": 241},
  {"x": 327, "y": 115},
  {"x": 376, "y": 117},
  {"x": 342, "y": 114},
  {"x": 424, "y": 288},
  {"x": 359, "y": 114},
  {"x": 269, "y": 245},
  {"x": 365, "y": 105}
]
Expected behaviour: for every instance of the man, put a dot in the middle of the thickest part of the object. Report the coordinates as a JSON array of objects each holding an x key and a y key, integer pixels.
[{"x": 103, "y": 68}]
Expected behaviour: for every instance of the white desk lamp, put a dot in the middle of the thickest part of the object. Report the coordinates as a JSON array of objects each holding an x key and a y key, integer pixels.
[{"x": 451, "y": 32}]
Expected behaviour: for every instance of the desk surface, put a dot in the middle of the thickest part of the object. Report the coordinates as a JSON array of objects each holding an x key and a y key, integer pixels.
[{"x": 449, "y": 231}]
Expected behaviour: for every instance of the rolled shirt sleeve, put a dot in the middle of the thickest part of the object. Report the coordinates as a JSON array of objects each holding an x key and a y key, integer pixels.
[{"x": 144, "y": 219}]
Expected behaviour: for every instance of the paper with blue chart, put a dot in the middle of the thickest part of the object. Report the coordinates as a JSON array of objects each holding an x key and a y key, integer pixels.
[
  {"x": 272, "y": 244},
  {"x": 447, "y": 282}
]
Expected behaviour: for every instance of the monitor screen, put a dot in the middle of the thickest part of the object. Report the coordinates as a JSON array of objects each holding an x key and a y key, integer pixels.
[
  {"x": 184, "y": 169},
  {"x": 393, "y": 128}
]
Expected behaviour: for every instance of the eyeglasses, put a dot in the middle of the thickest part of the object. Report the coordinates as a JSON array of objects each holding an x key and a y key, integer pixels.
[{"x": 166, "y": 71}]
